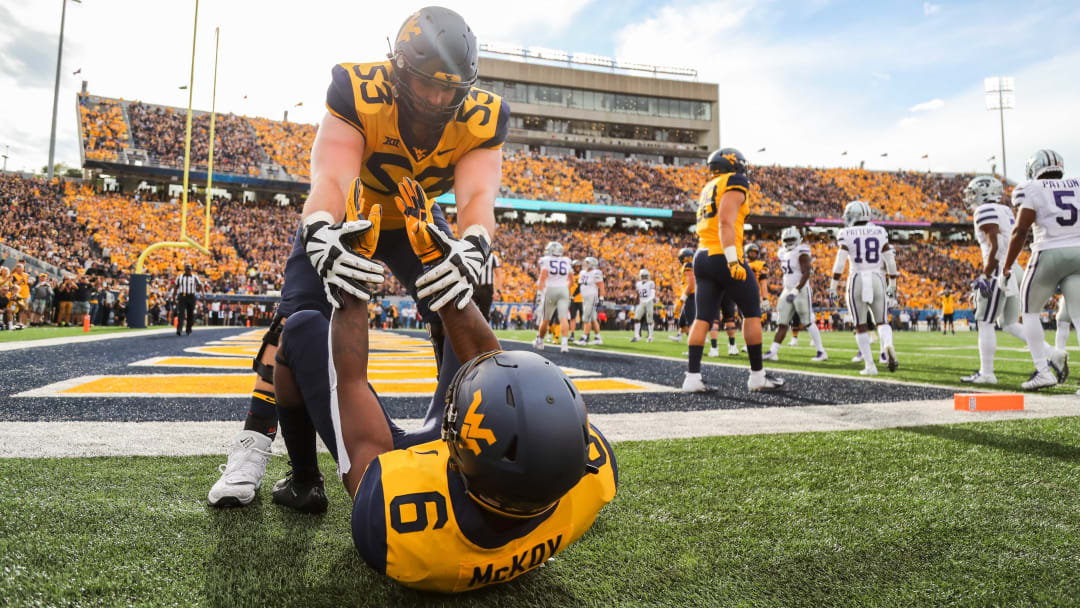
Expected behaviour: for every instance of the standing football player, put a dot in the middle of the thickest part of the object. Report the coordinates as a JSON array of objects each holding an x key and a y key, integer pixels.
[
  {"x": 646, "y": 290},
  {"x": 415, "y": 115},
  {"x": 506, "y": 474},
  {"x": 684, "y": 308},
  {"x": 591, "y": 282},
  {"x": 719, "y": 268},
  {"x": 795, "y": 262},
  {"x": 1051, "y": 204},
  {"x": 575, "y": 297},
  {"x": 554, "y": 275},
  {"x": 948, "y": 306},
  {"x": 996, "y": 300},
  {"x": 866, "y": 246}
]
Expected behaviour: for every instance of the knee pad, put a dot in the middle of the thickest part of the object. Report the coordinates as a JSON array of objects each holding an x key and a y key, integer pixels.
[{"x": 271, "y": 338}]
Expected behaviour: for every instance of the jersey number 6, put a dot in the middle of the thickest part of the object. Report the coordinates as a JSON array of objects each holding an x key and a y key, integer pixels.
[{"x": 419, "y": 502}]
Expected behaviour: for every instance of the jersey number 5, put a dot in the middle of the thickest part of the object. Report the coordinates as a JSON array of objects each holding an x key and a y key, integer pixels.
[{"x": 1059, "y": 200}]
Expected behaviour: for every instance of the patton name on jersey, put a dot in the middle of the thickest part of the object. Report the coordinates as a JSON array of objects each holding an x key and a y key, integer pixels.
[
  {"x": 646, "y": 290},
  {"x": 1056, "y": 203},
  {"x": 789, "y": 263},
  {"x": 998, "y": 215},
  {"x": 865, "y": 245}
]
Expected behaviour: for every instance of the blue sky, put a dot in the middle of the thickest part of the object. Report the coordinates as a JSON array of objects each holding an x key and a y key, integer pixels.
[{"x": 806, "y": 79}]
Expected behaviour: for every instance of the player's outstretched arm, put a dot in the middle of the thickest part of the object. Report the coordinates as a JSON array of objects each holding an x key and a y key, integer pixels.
[
  {"x": 337, "y": 155},
  {"x": 470, "y": 335},
  {"x": 363, "y": 423}
]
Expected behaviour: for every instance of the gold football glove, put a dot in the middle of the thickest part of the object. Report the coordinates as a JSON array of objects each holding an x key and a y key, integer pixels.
[
  {"x": 415, "y": 206},
  {"x": 737, "y": 271},
  {"x": 356, "y": 208}
]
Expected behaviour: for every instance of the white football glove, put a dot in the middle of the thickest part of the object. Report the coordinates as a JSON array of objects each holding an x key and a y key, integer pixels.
[
  {"x": 453, "y": 278},
  {"x": 339, "y": 267},
  {"x": 890, "y": 289},
  {"x": 790, "y": 295},
  {"x": 833, "y": 289}
]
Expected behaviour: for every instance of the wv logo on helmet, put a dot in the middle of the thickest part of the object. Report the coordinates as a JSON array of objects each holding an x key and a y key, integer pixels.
[{"x": 470, "y": 429}]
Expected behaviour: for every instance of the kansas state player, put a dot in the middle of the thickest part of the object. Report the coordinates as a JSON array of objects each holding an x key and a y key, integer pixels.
[
  {"x": 1051, "y": 204},
  {"x": 795, "y": 262},
  {"x": 866, "y": 246},
  {"x": 646, "y": 290},
  {"x": 591, "y": 282},
  {"x": 996, "y": 300},
  {"x": 554, "y": 284}
]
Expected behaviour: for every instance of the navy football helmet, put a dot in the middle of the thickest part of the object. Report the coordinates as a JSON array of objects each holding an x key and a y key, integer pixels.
[
  {"x": 727, "y": 160},
  {"x": 686, "y": 254},
  {"x": 517, "y": 431},
  {"x": 433, "y": 46}
]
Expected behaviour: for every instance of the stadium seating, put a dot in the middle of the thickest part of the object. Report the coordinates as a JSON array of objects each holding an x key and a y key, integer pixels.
[
  {"x": 104, "y": 128},
  {"x": 287, "y": 144}
]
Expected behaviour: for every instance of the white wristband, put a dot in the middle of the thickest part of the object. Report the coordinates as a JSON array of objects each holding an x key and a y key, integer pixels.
[
  {"x": 729, "y": 253},
  {"x": 318, "y": 216}
]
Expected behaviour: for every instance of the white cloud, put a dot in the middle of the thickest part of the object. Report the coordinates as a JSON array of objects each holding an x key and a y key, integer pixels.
[
  {"x": 907, "y": 123},
  {"x": 926, "y": 106},
  {"x": 930, "y": 9}
]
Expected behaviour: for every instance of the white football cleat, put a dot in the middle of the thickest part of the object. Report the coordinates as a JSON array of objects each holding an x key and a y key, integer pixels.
[
  {"x": 980, "y": 378},
  {"x": 890, "y": 358},
  {"x": 821, "y": 356},
  {"x": 882, "y": 358},
  {"x": 596, "y": 340},
  {"x": 564, "y": 349},
  {"x": 241, "y": 476},
  {"x": 732, "y": 350},
  {"x": 869, "y": 370},
  {"x": 675, "y": 338},
  {"x": 1040, "y": 380},
  {"x": 692, "y": 383},
  {"x": 649, "y": 339},
  {"x": 770, "y": 356},
  {"x": 857, "y": 358},
  {"x": 793, "y": 342},
  {"x": 714, "y": 352},
  {"x": 1059, "y": 364},
  {"x": 763, "y": 382},
  {"x": 580, "y": 342},
  {"x": 538, "y": 343},
  {"x": 635, "y": 339}
]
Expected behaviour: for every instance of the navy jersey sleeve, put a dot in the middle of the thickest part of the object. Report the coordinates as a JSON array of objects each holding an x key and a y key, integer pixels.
[
  {"x": 502, "y": 126},
  {"x": 738, "y": 181},
  {"x": 369, "y": 518},
  {"x": 340, "y": 100}
]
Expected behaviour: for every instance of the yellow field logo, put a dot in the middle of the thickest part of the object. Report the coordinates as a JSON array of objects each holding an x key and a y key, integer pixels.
[{"x": 470, "y": 429}]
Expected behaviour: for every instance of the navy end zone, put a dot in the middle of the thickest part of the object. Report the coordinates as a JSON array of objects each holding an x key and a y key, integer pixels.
[{"x": 207, "y": 377}]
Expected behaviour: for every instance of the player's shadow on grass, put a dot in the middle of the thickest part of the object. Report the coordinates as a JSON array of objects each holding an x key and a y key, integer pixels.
[{"x": 1017, "y": 445}]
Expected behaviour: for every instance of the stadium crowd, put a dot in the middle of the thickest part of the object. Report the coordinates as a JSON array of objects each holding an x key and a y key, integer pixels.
[
  {"x": 104, "y": 129},
  {"x": 161, "y": 131}
]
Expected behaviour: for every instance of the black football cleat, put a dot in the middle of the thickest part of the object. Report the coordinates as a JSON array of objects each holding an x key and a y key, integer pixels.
[{"x": 303, "y": 496}]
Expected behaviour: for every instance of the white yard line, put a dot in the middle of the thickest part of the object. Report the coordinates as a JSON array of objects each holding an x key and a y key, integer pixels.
[
  {"x": 84, "y": 439},
  {"x": 25, "y": 344}
]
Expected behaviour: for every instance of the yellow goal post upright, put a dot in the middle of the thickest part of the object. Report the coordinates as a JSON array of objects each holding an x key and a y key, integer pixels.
[{"x": 137, "y": 309}]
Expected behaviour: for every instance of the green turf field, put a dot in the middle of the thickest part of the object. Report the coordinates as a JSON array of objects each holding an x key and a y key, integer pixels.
[
  {"x": 976, "y": 514},
  {"x": 40, "y": 333},
  {"x": 928, "y": 357}
]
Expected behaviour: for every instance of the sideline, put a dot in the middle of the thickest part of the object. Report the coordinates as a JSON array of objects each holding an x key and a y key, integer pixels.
[{"x": 80, "y": 439}]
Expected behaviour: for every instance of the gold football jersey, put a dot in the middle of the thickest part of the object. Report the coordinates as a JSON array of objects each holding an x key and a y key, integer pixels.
[
  {"x": 360, "y": 95},
  {"x": 688, "y": 289},
  {"x": 413, "y": 521},
  {"x": 708, "y": 212}
]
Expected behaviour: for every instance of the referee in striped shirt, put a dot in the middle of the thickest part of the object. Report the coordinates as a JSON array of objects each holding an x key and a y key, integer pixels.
[
  {"x": 185, "y": 287},
  {"x": 485, "y": 291}
]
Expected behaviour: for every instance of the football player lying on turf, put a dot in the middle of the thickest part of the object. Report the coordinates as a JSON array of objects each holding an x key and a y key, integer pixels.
[{"x": 509, "y": 474}]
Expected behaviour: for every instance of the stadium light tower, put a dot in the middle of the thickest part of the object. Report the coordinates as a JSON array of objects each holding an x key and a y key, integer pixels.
[
  {"x": 56, "y": 89},
  {"x": 1001, "y": 96}
]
